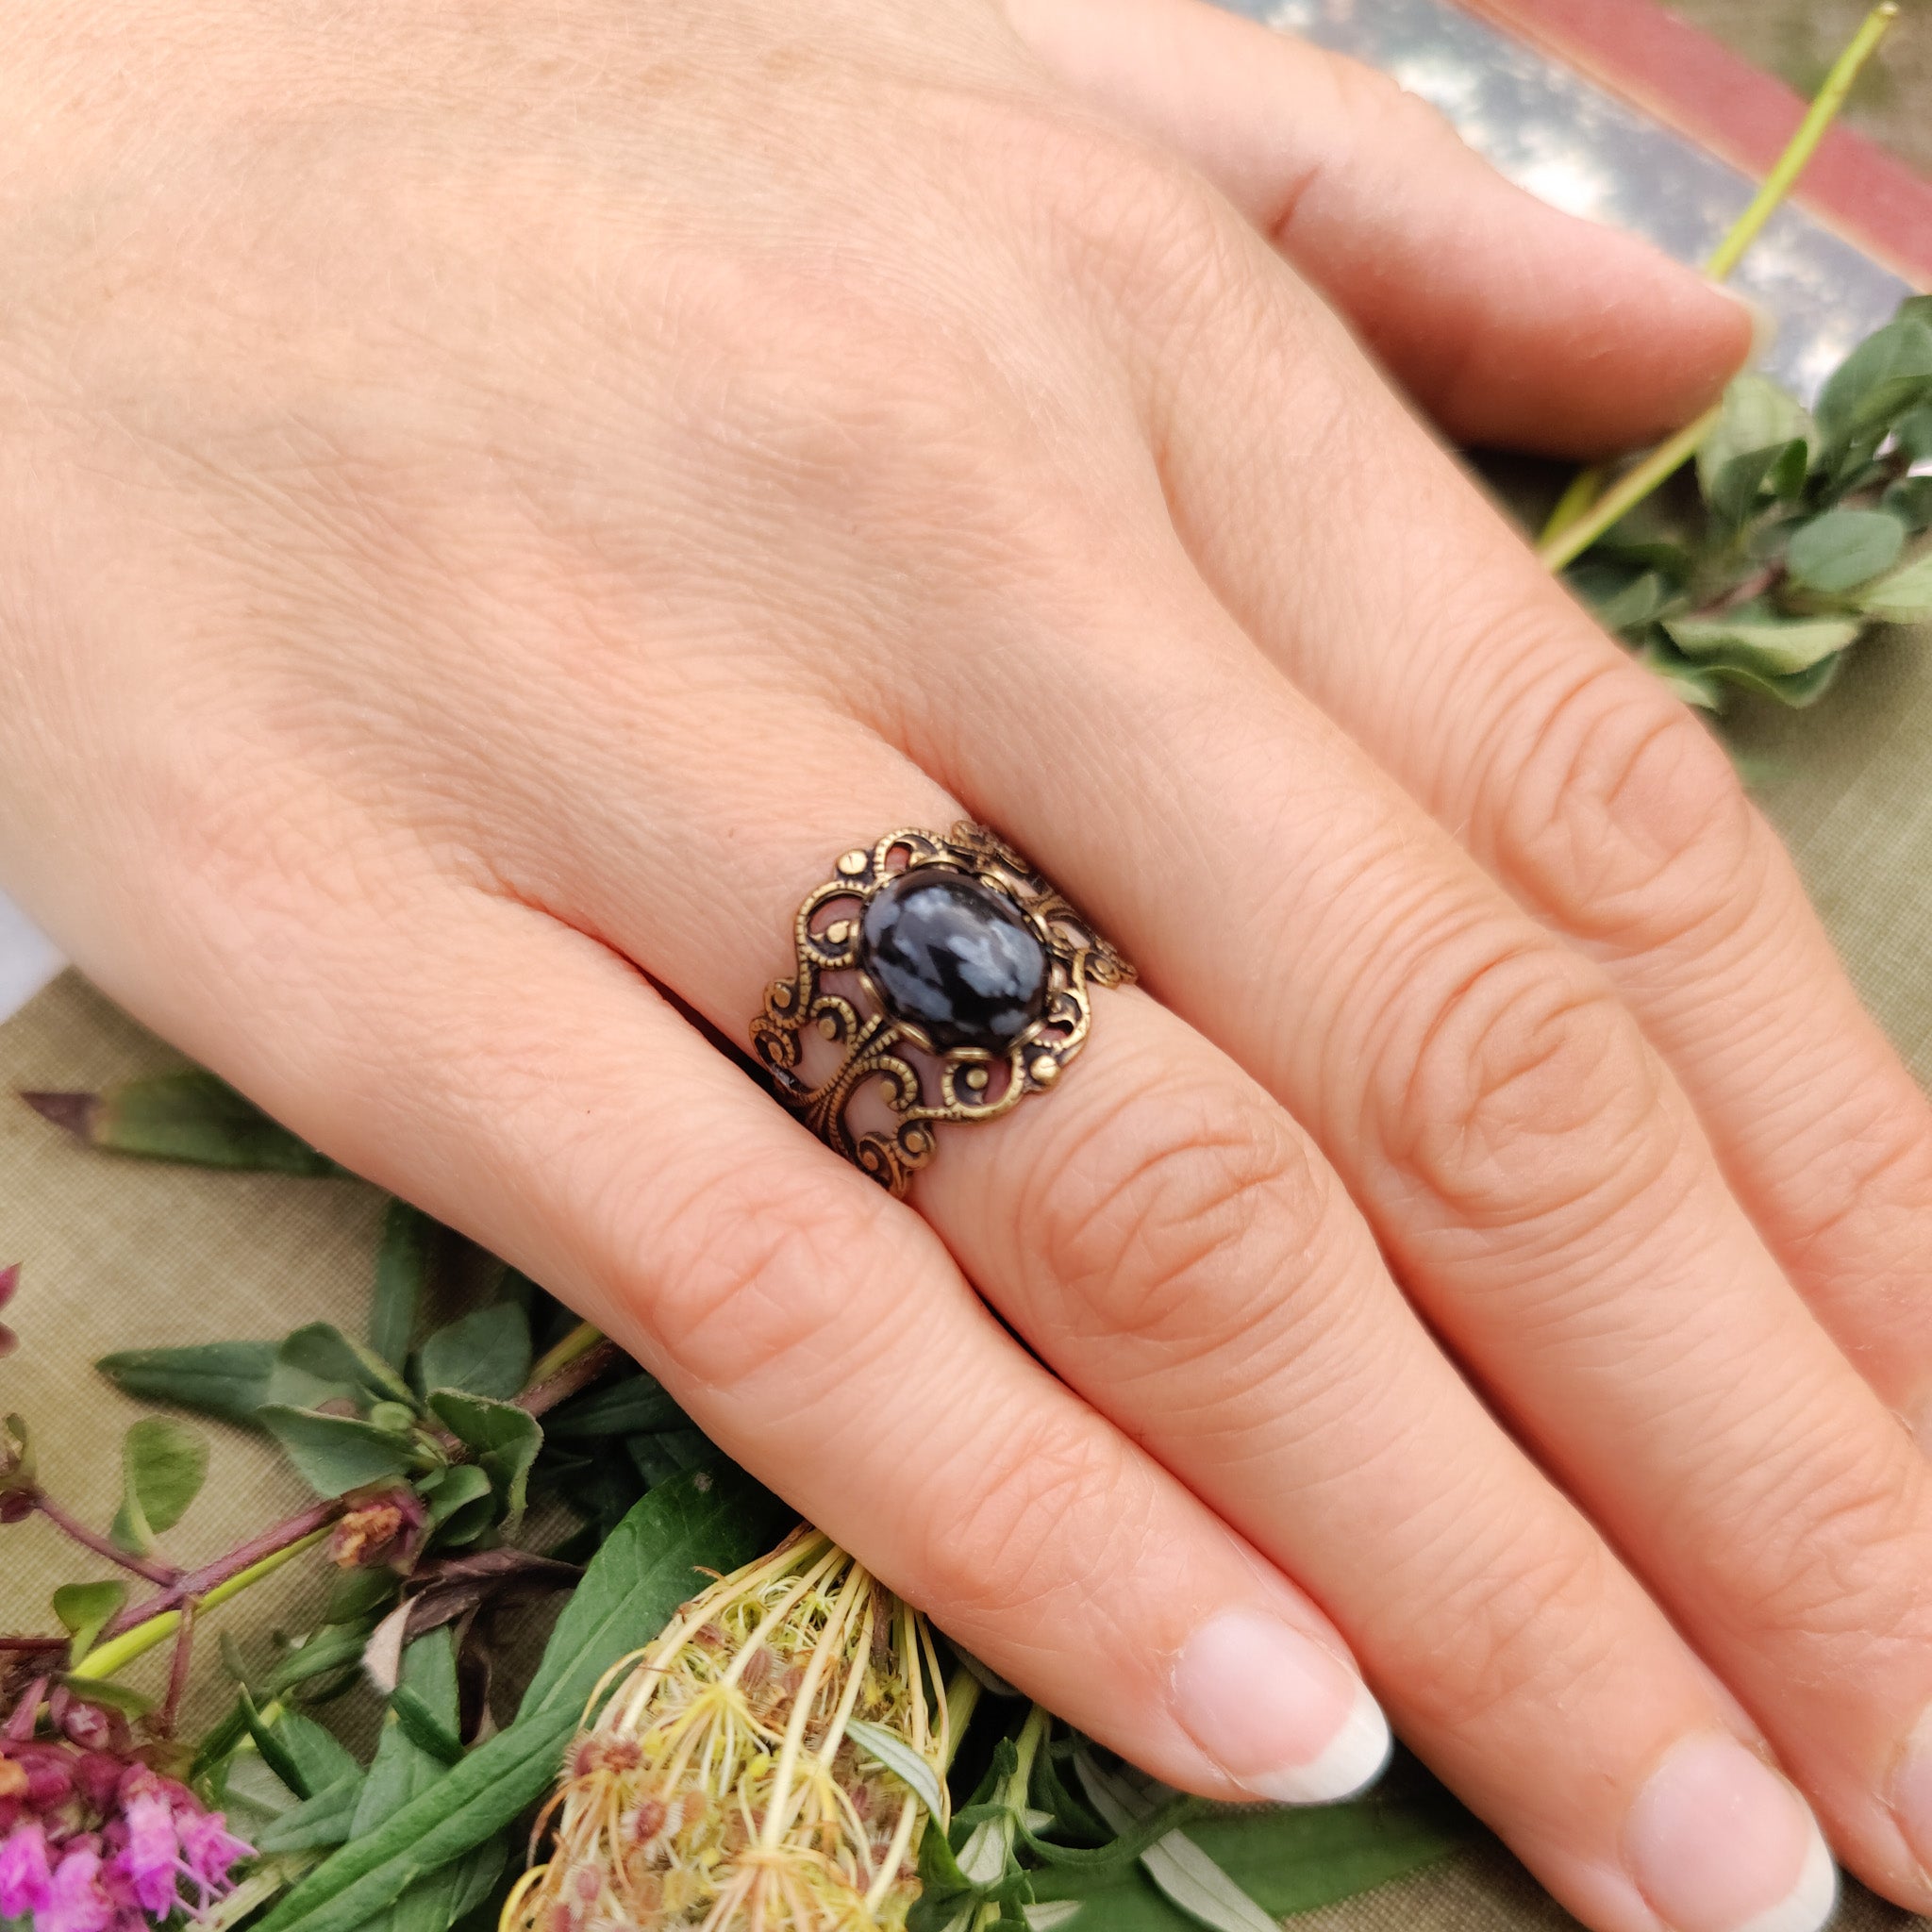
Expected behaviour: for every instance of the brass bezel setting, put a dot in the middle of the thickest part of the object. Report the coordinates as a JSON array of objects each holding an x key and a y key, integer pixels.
[{"x": 880, "y": 1051}]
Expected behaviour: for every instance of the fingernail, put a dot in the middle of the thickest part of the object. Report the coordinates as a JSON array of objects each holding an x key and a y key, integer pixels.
[
  {"x": 1911, "y": 1794},
  {"x": 1283, "y": 1717},
  {"x": 1763, "y": 324},
  {"x": 1719, "y": 1843},
  {"x": 1919, "y": 1419}
]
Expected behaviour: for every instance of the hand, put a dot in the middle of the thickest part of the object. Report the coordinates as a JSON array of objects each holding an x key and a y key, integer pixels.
[{"x": 495, "y": 499}]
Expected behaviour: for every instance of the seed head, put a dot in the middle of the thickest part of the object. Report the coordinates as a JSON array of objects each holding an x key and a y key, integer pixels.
[{"x": 720, "y": 1790}]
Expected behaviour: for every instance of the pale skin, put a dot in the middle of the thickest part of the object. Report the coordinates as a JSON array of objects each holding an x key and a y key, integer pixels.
[{"x": 494, "y": 499}]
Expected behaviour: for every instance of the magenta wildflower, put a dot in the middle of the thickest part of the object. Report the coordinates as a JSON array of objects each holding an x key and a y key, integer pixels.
[
  {"x": 151, "y": 1859},
  {"x": 26, "y": 1876},
  {"x": 76, "y": 1901},
  {"x": 211, "y": 1851},
  {"x": 9, "y": 1280}
]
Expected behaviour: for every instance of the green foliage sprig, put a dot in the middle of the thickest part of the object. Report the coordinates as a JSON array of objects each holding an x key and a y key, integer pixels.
[{"x": 1804, "y": 530}]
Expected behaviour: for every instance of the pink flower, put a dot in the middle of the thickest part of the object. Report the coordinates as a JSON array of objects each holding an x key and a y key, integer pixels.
[
  {"x": 24, "y": 1876},
  {"x": 151, "y": 1859},
  {"x": 76, "y": 1902},
  {"x": 211, "y": 1850}
]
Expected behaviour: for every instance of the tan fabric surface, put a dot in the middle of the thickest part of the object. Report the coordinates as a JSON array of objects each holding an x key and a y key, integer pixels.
[{"x": 121, "y": 1252}]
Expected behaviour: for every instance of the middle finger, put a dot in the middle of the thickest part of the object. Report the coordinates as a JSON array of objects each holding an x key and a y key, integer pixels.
[{"x": 1537, "y": 1177}]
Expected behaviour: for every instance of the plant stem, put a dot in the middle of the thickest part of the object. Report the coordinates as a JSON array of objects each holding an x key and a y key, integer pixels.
[
  {"x": 209, "y": 1584},
  {"x": 1658, "y": 468},
  {"x": 117, "y": 1653},
  {"x": 178, "y": 1671},
  {"x": 579, "y": 1342},
  {"x": 578, "y": 1358},
  {"x": 1585, "y": 486},
  {"x": 163, "y": 1573},
  {"x": 1804, "y": 144},
  {"x": 545, "y": 1394}
]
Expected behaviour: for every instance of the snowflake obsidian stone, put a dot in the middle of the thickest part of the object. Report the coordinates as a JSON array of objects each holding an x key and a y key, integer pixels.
[
  {"x": 950, "y": 980},
  {"x": 950, "y": 956}
]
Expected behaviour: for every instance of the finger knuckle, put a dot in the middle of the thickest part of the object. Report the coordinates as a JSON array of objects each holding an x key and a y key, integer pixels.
[
  {"x": 1184, "y": 1209},
  {"x": 1530, "y": 1101},
  {"x": 758, "y": 1287},
  {"x": 1041, "y": 1520},
  {"x": 1625, "y": 817},
  {"x": 1134, "y": 217},
  {"x": 1829, "y": 1545},
  {"x": 1518, "y": 1624}
]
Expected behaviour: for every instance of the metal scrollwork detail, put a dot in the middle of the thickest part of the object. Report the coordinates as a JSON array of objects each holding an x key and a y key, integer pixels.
[{"x": 891, "y": 1058}]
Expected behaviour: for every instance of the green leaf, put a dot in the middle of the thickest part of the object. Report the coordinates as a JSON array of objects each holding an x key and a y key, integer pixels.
[
  {"x": 1904, "y": 597},
  {"x": 1286, "y": 1859},
  {"x": 485, "y": 1353},
  {"x": 335, "y": 1454},
  {"x": 670, "y": 1453},
  {"x": 163, "y": 1465},
  {"x": 902, "y": 1761},
  {"x": 1878, "y": 383},
  {"x": 1771, "y": 646},
  {"x": 1757, "y": 415},
  {"x": 646, "y": 1568},
  {"x": 1635, "y": 605},
  {"x": 1844, "y": 548},
  {"x": 1737, "y": 486},
  {"x": 274, "y": 1753},
  {"x": 436, "y": 1903},
  {"x": 423, "y": 1727},
  {"x": 224, "y": 1379},
  {"x": 1915, "y": 435},
  {"x": 83, "y": 1609},
  {"x": 321, "y": 1762},
  {"x": 402, "y": 1769},
  {"x": 190, "y": 1117},
  {"x": 1911, "y": 501},
  {"x": 327, "y": 1356},
  {"x": 1184, "y": 1873},
  {"x": 402, "y": 1268},
  {"x": 462, "y": 1502},
  {"x": 638, "y": 1405},
  {"x": 503, "y": 1438},
  {"x": 333, "y": 1647},
  {"x": 326, "y": 1819}
]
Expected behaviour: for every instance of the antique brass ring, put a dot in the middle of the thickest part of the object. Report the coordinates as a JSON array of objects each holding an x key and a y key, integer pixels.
[{"x": 947, "y": 980}]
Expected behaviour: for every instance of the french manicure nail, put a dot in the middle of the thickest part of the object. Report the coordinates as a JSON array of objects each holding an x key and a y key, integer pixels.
[
  {"x": 1719, "y": 1843},
  {"x": 1911, "y": 1793},
  {"x": 1283, "y": 1717}
]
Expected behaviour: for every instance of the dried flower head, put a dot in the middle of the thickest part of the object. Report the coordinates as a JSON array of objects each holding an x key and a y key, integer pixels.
[
  {"x": 721, "y": 1788},
  {"x": 383, "y": 1529}
]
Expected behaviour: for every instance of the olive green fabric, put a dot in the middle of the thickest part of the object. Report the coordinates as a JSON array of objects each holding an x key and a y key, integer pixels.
[{"x": 122, "y": 1253}]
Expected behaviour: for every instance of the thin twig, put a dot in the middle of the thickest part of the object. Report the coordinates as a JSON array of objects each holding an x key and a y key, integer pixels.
[
  {"x": 177, "y": 1673},
  {"x": 566, "y": 1380},
  {"x": 1557, "y": 545},
  {"x": 91, "y": 1539},
  {"x": 211, "y": 1577}
]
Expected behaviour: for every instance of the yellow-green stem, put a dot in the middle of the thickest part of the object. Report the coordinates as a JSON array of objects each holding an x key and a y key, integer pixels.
[
  {"x": 119, "y": 1652},
  {"x": 576, "y": 1344},
  {"x": 1585, "y": 486},
  {"x": 1662, "y": 463},
  {"x": 1804, "y": 144}
]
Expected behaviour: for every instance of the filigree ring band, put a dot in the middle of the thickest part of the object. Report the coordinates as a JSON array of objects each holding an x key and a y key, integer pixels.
[{"x": 946, "y": 980}]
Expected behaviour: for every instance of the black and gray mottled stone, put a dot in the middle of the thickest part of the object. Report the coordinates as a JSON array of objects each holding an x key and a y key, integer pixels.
[{"x": 952, "y": 957}]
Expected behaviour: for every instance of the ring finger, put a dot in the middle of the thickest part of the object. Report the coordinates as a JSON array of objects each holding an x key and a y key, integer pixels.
[{"x": 1170, "y": 1241}]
